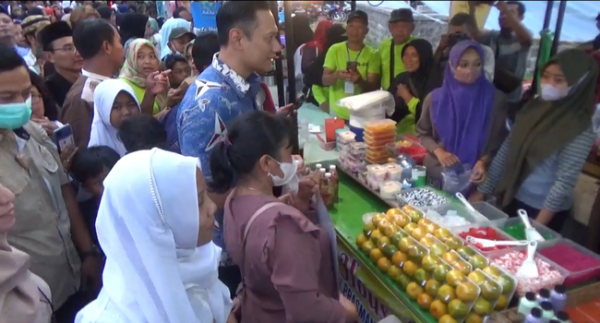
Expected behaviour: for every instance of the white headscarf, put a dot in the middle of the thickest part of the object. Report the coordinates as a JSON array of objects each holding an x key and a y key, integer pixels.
[
  {"x": 103, "y": 133},
  {"x": 165, "y": 31},
  {"x": 148, "y": 228}
]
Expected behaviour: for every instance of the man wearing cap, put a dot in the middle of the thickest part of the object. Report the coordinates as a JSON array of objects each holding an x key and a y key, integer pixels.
[
  {"x": 31, "y": 27},
  {"x": 351, "y": 67},
  {"x": 57, "y": 40},
  {"x": 401, "y": 25},
  {"x": 178, "y": 38}
]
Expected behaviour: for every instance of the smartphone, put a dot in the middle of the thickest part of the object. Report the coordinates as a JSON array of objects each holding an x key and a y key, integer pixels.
[
  {"x": 352, "y": 66},
  {"x": 63, "y": 137}
]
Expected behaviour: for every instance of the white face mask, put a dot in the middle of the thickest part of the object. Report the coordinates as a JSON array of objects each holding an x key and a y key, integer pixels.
[
  {"x": 551, "y": 93},
  {"x": 289, "y": 172}
]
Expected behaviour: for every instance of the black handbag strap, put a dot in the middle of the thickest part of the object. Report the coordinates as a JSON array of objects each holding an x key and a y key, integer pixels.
[{"x": 392, "y": 61}]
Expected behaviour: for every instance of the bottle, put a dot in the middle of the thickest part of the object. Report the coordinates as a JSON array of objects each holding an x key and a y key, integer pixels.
[
  {"x": 321, "y": 175},
  {"x": 527, "y": 303},
  {"x": 318, "y": 166},
  {"x": 543, "y": 296},
  {"x": 547, "y": 312},
  {"x": 558, "y": 297},
  {"x": 535, "y": 316},
  {"x": 326, "y": 191},
  {"x": 335, "y": 182},
  {"x": 562, "y": 317}
]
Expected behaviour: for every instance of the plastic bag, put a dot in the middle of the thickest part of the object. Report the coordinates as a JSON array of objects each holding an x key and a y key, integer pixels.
[{"x": 456, "y": 179}]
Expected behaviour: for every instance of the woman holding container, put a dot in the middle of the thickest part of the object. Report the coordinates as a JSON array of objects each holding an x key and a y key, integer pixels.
[
  {"x": 538, "y": 165},
  {"x": 463, "y": 122}
]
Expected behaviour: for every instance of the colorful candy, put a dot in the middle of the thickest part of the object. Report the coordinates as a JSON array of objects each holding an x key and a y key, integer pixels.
[
  {"x": 548, "y": 276},
  {"x": 484, "y": 233},
  {"x": 583, "y": 267}
]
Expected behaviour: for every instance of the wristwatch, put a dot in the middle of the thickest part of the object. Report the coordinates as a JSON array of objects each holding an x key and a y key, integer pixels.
[{"x": 93, "y": 252}]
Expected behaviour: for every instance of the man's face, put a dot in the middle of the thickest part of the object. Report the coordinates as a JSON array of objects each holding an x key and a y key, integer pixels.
[
  {"x": 15, "y": 86},
  {"x": 19, "y": 39},
  {"x": 356, "y": 30},
  {"x": 186, "y": 15},
  {"x": 94, "y": 185},
  {"x": 260, "y": 49},
  {"x": 459, "y": 29},
  {"x": 177, "y": 45},
  {"x": 401, "y": 31},
  {"x": 512, "y": 9},
  {"x": 29, "y": 5},
  {"x": 64, "y": 54},
  {"x": 179, "y": 73},
  {"x": 6, "y": 27}
]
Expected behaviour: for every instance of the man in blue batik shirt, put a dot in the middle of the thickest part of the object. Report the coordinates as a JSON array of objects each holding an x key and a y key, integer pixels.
[{"x": 248, "y": 37}]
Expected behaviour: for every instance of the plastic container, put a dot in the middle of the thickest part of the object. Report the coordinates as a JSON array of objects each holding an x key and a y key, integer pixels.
[
  {"x": 489, "y": 211},
  {"x": 533, "y": 284},
  {"x": 411, "y": 147},
  {"x": 508, "y": 282},
  {"x": 515, "y": 228},
  {"x": 491, "y": 292},
  {"x": 379, "y": 139},
  {"x": 379, "y": 126},
  {"x": 473, "y": 218},
  {"x": 389, "y": 189},
  {"x": 463, "y": 232},
  {"x": 393, "y": 172},
  {"x": 326, "y": 145},
  {"x": 422, "y": 197},
  {"x": 570, "y": 256},
  {"x": 358, "y": 148}
]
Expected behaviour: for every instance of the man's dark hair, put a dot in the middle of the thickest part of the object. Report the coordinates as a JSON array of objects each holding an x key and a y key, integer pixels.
[
  {"x": 177, "y": 12},
  {"x": 142, "y": 131},
  {"x": 90, "y": 34},
  {"x": 174, "y": 59},
  {"x": 520, "y": 7},
  {"x": 205, "y": 47},
  {"x": 461, "y": 19},
  {"x": 89, "y": 162},
  {"x": 104, "y": 11},
  {"x": 238, "y": 14},
  {"x": 68, "y": 10},
  {"x": 10, "y": 59}
]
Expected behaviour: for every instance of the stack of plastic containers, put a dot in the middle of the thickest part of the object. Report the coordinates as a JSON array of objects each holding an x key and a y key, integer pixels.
[{"x": 377, "y": 135}]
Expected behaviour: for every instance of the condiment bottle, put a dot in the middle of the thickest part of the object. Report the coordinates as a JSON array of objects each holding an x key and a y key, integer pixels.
[
  {"x": 547, "y": 312},
  {"x": 318, "y": 166},
  {"x": 527, "y": 303},
  {"x": 558, "y": 297},
  {"x": 543, "y": 296},
  {"x": 335, "y": 182},
  {"x": 562, "y": 317},
  {"x": 321, "y": 175},
  {"x": 535, "y": 316},
  {"x": 326, "y": 191}
]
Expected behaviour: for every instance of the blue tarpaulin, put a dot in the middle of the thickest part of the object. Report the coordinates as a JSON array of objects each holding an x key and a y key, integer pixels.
[{"x": 203, "y": 13}]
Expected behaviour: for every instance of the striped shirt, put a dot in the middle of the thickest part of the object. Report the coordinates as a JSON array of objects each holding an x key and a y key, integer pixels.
[{"x": 550, "y": 185}]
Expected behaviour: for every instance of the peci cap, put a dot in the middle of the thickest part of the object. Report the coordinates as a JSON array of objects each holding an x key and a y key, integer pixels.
[
  {"x": 401, "y": 15},
  {"x": 52, "y": 32},
  {"x": 180, "y": 32},
  {"x": 358, "y": 14}
]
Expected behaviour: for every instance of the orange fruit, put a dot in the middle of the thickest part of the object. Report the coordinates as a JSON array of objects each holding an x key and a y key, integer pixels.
[
  {"x": 394, "y": 272},
  {"x": 375, "y": 255},
  {"x": 424, "y": 301},
  {"x": 384, "y": 264},
  {"x": 399, "y": 258},
  {"x": 447, "y": 319},
  {"x": 362, "y": 238},
  {"x": 438, "y": 309},
  {"x": 410, "y": 268}
]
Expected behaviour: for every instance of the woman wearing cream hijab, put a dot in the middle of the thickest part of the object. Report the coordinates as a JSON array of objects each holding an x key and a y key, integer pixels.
[
  {"x": 155, "y": 227},
  {"x": 24, "y": 297}
]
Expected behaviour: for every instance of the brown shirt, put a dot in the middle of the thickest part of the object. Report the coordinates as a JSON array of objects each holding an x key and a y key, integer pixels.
[
  {"x": 431, "y": 141},
  {"x": 288, "y": 270},
  {"x": 78, "y": 112}
]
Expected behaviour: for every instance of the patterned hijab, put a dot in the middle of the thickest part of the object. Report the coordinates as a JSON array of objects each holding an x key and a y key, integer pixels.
[{"x": 132, "y": 72}]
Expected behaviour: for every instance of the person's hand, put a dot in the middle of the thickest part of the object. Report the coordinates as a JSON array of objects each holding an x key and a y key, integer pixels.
[
  {"x": 445, "y": 158},
  {"x": 158, "y": 82},
  {"x": 66, "y": 156},
  {"x": 501, "y": 6},
  {"x": 444, "y": 42},
  {"x": 404, "y": 93},
  {"x": 308, "y": 186},
  {"x": 479, "y": 172},
  {"x": 324, "y": 107},
  {"x": 7, "y": 208},
  {"x": 47, "y": 125},
  {"x": 342, "y": 75},
  {"x": 287, "y": 109},
  {"x": 174, "y": 96},
  {"x": 351, "y": 310},
  {"x": 477, "y": 196},
  {"x": 91, "y": 273},
  {"x": 354, "y": 77}
]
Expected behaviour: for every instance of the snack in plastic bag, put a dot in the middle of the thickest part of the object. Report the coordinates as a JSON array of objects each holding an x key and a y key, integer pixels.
[{"x": 456, "y": 178}]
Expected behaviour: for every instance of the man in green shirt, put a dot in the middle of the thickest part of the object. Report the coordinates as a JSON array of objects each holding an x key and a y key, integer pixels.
[
  {"x": 351, "y": 67},
  {"x": 401, "y": 26}
]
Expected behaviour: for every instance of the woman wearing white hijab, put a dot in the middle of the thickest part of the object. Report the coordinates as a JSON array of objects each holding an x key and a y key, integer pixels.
[
  {"x": 114, "y": 101},
  {"x": 155, "y": 228}
]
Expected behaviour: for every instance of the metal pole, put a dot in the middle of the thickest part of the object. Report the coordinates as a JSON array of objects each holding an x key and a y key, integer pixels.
[
  {"x": 562, "y": 7},
  {"x": 278, "y": 64},
  {"x": 547, "y": 18},
  {"x": 289, "y": 51},
  {"x": 353, "y": 5}
]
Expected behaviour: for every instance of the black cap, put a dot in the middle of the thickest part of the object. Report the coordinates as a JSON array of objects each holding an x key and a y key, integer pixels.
[
  {"x": 544, "y": 293},
  {"x": 536, "y": 312},
  {"x": 401, "y": 15},
  {"x": 562, "y": 315},
  {"x": 530, "y": 296},
  {"x": 358, "y": 14},
  {"x": 561, "y": 289},
  {"x": 52, "y": 32},
  {"x": 547, "y": 306}
]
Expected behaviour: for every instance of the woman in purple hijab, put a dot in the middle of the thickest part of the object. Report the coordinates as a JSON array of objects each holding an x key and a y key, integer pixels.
[{"x": 463, "y": 121}]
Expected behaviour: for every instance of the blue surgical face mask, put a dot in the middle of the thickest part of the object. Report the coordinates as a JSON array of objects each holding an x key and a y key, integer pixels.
[
  {"x": 551, "y": 93},
  {"x": 15, "y": 115}
]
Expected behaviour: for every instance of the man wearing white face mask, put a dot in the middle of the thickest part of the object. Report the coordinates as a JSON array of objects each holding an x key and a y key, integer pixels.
[{"x": 537, "y": 167}]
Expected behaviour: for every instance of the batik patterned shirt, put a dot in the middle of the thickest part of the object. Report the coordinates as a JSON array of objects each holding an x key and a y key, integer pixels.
[{"x": 216, "y": 97}]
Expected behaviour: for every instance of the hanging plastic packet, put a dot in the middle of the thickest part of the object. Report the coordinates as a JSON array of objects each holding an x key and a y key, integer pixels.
[{"x": 457, "y": 178}]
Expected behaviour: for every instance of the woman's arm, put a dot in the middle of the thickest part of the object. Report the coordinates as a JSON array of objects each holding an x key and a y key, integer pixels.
[
  {"x": 570, "y": 162},
  {"x": 295, "y": 275},
  {"x": 495, "y": 171},
  {"x": 424, "y": 127}
]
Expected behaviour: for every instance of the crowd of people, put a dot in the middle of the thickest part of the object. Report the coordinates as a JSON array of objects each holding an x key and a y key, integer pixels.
[{"x": 167, "y": 205}]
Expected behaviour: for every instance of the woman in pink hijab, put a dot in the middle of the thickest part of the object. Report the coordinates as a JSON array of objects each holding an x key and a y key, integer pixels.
[{"x": 24, "y": 297}]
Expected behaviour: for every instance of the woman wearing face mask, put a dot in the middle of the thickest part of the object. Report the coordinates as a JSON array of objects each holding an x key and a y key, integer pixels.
[
  {"x": 161, "y": 263},
  {"x": 538, "y": 165},
  {"x": 142, "y": 60},
  {"x": 463, "y": 122},
  {"x": 113, "y": 102},
  {"x": 285, "y": 256},
  {"x": 411, "y": 87}
]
